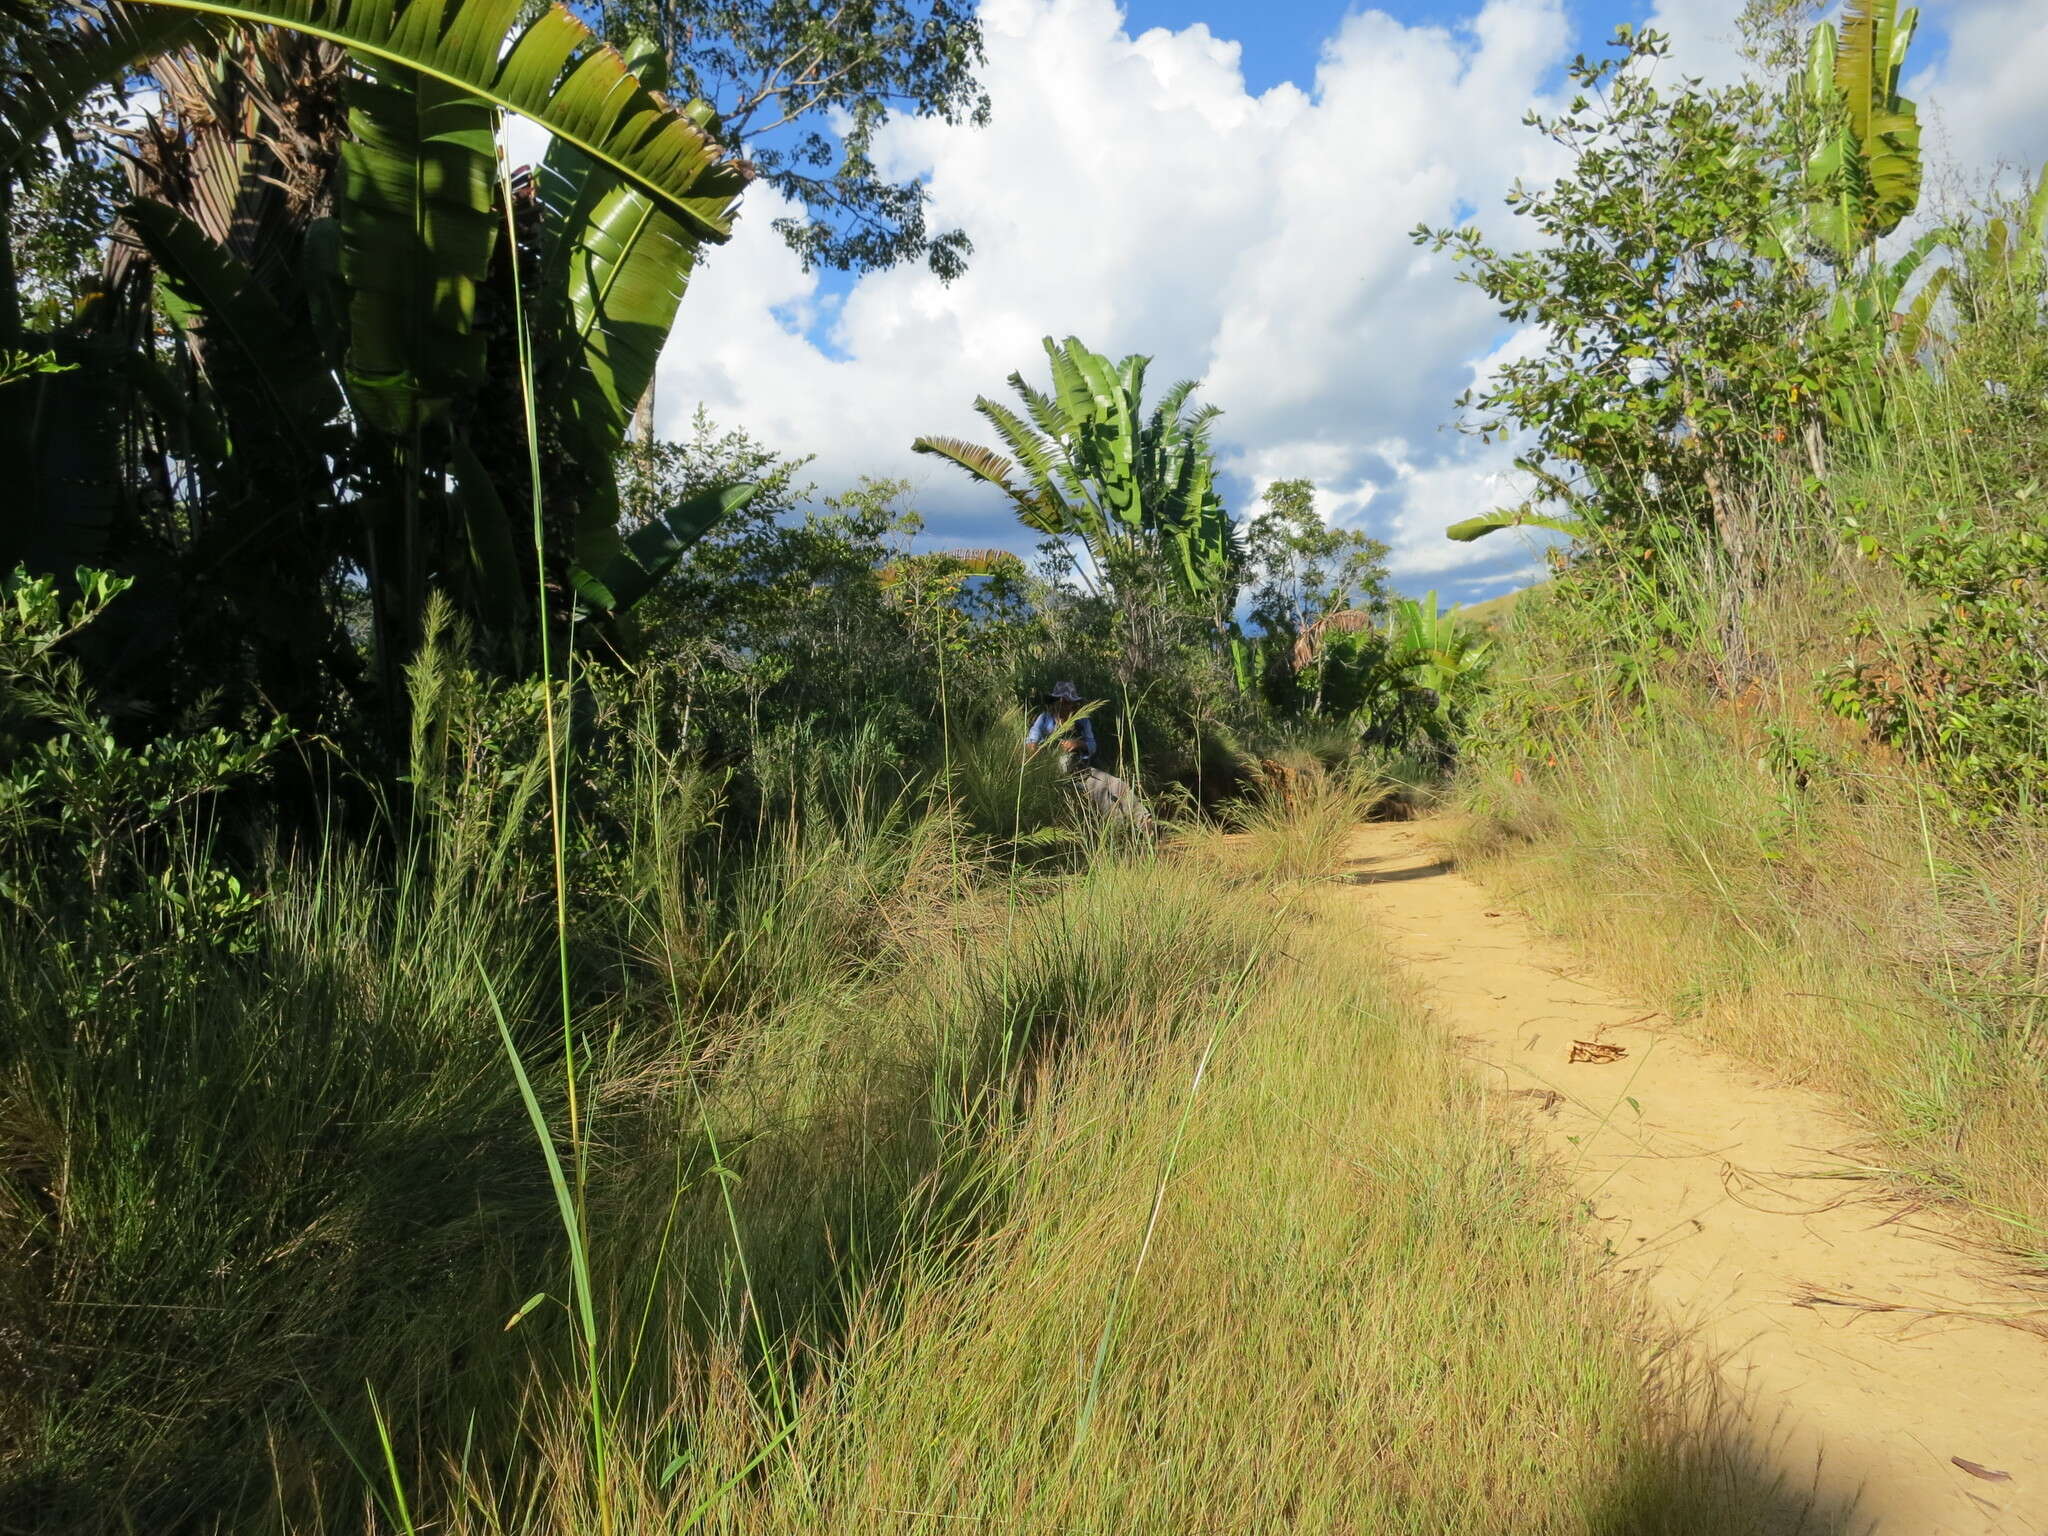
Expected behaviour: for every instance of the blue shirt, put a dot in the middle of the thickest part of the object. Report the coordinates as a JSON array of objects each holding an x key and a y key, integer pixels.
[{"x": 1046, "y": 726}]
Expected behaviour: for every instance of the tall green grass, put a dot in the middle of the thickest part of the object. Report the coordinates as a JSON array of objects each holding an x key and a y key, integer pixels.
[
  {"x": 1251, "y": 1253},
  {"x": 913, "y": 1179}
]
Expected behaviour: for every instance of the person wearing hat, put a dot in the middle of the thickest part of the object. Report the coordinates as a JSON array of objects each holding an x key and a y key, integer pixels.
[
  {"x": 1105, "y": 793},
  {"x": 1077, "y": 741}
]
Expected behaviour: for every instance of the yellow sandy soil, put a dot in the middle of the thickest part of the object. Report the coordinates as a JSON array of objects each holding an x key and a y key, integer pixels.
[{"x": 1722, "y": 1190}]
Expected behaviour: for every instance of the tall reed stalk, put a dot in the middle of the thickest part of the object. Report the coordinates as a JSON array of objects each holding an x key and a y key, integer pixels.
[{"x": 574, "y": 1211}]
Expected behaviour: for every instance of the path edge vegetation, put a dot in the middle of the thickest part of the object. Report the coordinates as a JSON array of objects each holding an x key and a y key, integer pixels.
[{"x": 1768, "y": 745}]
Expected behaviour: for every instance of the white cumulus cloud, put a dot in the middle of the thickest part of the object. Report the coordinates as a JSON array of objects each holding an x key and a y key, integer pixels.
[
  {"x": 1131, "y": 191},
  {"x": 1985, "y": 100}
]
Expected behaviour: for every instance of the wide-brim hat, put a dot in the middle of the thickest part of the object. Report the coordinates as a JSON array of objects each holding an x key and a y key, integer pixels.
[{"x": 1066, "y": 691}]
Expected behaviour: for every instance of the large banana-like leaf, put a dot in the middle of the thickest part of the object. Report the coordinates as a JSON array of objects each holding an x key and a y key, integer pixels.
[
  {"x": 553, "y": 70},
  {"x": 614, "y": 266},
  {"x": 612, "y": 580},
  {"x": 232, "y": 308},
  {"x": 1581, "y": 525},
  {"x": 1872, "y": 158},
  {"x": 620, "y": 287},
  {"x": 1166, "y": 415},
  {"x": 982, "y": 463},
  {"x": 1202, "y": 531},
  {"x": 496, "y": 584},
  {"x": 2022, "y": 252},
  {"x": 2003, "y": 251},
  {"x": 1069, "y": 388},
  {"x": 2035, "y": 232},
  {"x": 1059, "y": 483},
  {"x": 1821, "y": 45},
  {"x": 990, "y": 467},
  {"x": 1042, "y": 408},
  {"x": 1047, "y": 453},
  {"x": 1874, "y": 40},
  {"x": 1891, "y": 137},
  {"x": 1181, "y": 504},
  {"x": 1111, "y": 430},
  {"x": 1867, "y": 305},
  {"x": 1083, "y": 412},
  {"x": 417, "y": 228},
  {"x": 1915, "y": 323},
  {"x": 1156, "y": 443},
  {"x": 1892, "y": 281},
  {"x": 1130, "y": 378},
  {"x": 1492, "y": 522}
]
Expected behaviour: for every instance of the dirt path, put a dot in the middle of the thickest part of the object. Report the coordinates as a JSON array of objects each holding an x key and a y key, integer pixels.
[{"x": 1702, "y": 1173}]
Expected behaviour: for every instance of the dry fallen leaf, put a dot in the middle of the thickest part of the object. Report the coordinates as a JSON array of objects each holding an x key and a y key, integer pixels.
[
  {"x": 1594, "y": 1051},
  {"x": 1990, "y": 1475}
]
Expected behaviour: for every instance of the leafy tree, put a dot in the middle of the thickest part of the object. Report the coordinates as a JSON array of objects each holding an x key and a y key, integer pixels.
[
  {"x": 73, "y": 798},
  {"x": 2007, "y": 256},
  {"x": 1408, "y": 684},
  {"x": 1950, "y": 498},
  {"x": 58, "y": 224},
  {"x": 1966, "y": 688},
  {"x": 1676, "y": 356},
  {"x": 1306, "y": 568},
  {"x": 655, "y": 475},
  {"x": 785, "y": 612},
  {"x": 773, "y": 70},
  {"x": 747, "y": 565}
]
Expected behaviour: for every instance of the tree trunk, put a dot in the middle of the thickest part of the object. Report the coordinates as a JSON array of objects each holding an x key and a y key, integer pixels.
[
  {"x": 1814, "y": 439},
  {"x": 643, "y": 429},
  {"x": 10, "y": 300}
]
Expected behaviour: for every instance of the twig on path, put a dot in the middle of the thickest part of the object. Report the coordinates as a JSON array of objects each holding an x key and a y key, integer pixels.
[
  {"x": 1730, "y": 1174},
  {"x": 2034, "y": 1321}
]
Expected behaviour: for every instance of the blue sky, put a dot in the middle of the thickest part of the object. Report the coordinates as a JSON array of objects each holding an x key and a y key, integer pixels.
[
  {"x": 1283, "y": 38},
  {"x": 1240, "y": 214},
  {"x": 1281, "y": 41}
]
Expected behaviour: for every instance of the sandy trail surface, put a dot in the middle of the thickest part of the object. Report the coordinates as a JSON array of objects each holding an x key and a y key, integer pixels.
[{"x": 1711, "y": 1181}]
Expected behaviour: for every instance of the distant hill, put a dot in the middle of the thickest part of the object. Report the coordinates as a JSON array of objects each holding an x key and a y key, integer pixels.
[{"x": 1494, "y": 611}]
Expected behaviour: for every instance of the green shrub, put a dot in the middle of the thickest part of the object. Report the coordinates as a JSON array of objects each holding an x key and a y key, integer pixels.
[{"x": 1963, "y": 689}]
